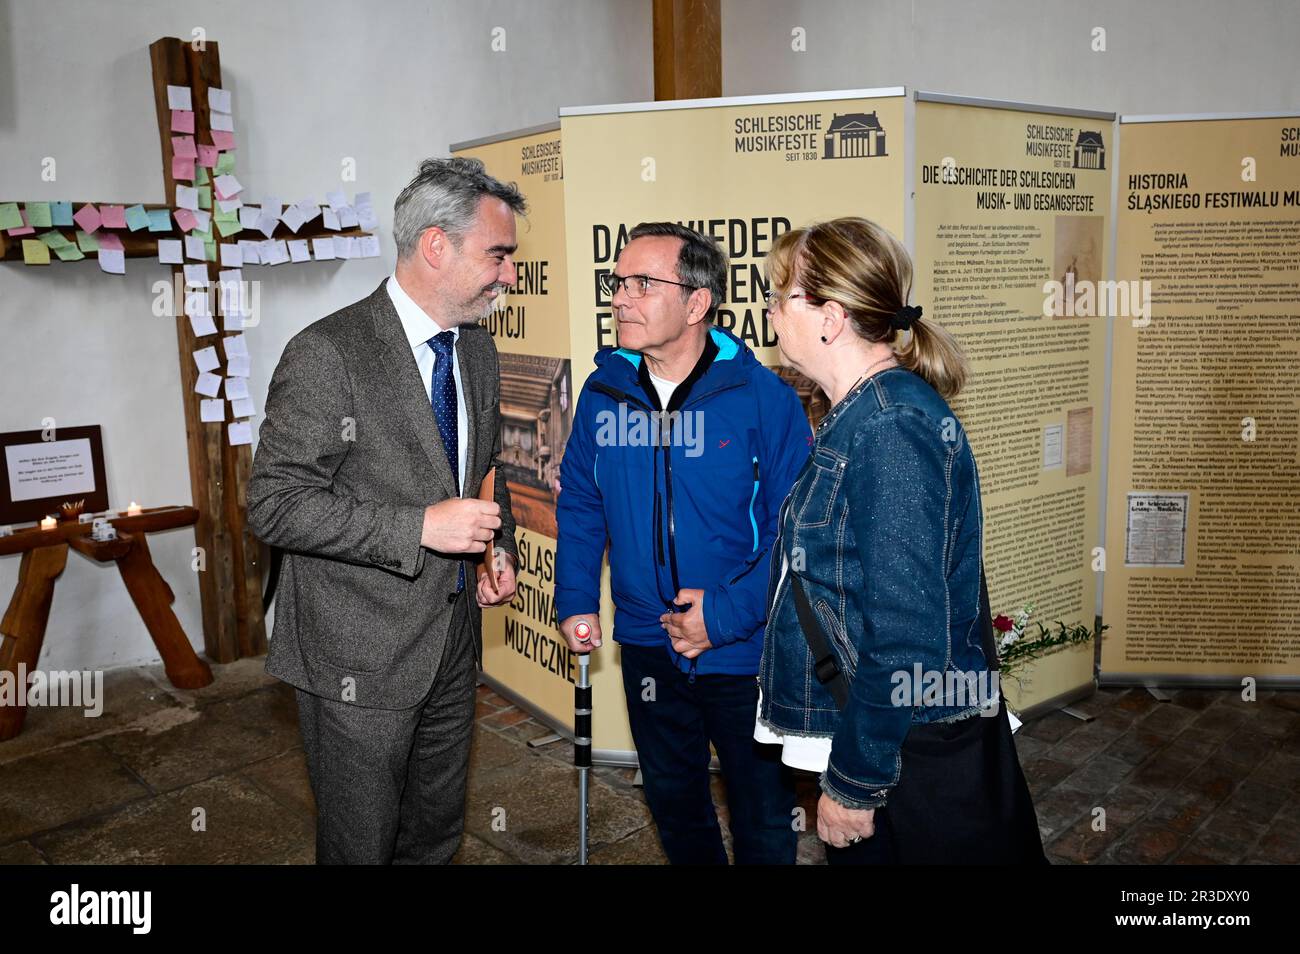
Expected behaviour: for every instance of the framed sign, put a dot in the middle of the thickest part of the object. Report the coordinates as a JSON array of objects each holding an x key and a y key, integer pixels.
[{"x": 38, "y": 475}]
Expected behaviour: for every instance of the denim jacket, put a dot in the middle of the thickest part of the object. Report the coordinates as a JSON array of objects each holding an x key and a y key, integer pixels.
[{"x": 883, "y": 528}]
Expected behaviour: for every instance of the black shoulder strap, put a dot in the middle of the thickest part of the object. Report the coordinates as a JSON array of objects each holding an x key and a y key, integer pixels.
[{"x": 827, "y": 666}]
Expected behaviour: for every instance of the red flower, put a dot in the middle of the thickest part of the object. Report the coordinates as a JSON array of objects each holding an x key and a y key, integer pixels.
[{"x": 1002, "y": 623}]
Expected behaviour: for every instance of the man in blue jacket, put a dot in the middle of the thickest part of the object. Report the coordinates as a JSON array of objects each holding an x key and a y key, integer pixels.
[{"x": 683, "y": 448}]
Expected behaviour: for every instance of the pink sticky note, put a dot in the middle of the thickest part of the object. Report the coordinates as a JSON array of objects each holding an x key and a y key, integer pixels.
[
  {"x": 88, "y": 218},
  {"x": 225, "y": 141},
  {"x": 183, "y": 146},
  {"x": 23, "y": 229},
  {"x": 182, "y": 169},
  {"x": 185, "y": 219},
  {"x": 183, "y": 121},
  {"x": 207, "y": 156},
  {"x": 110, "y": 241},
  {"x": 114, "y": 216}
]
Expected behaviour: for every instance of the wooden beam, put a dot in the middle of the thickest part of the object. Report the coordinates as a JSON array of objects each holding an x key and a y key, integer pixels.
[{"x": 688, "y": 49}]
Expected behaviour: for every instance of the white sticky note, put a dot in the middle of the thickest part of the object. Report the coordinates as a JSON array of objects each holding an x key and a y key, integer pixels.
[
  {"x": 248, "y": 216},
  {"x": 195, "y": 249},
  {"x": 196, "y": 275},
  {"x": 112, "y": 261},
  {"x": 203, "y": 221},
  {"x": 241, "y": 432},
  {"x": 212, "y": 409},
  {"x": 169, "y": 251},
  {"x": 228, "y": 185},
  {"x": 206, "y": 358},
  {"x": 235, "y": 345},
  {"x": 331, "y": 220},
  {"x": 362, "y": 201},
  {"x": 196, "y": 302},
  {"x": 336, "y": 199},
  {"x": 248, "y": 250},
  {"x": 279, "y": 252},
  {"x": 232, "y": 256},
  {"x": 298, "y": 251},
  {"x": 323, "y": 248},
  {"x": 242, "y": 407},
  {"x": 272, "y": 205},
  {"x": 238, "y": 367},
  {"x": 223, "y": 121},
  {"x": 236, "y": 387},
  {"x": 308, "y": 208},
  {"x": 229, "y": 205},
  {"x": 203, "y": 325},
  {"x": 208, "y": 384},
  {"x": 367, "y": 219},
  {"x": 187, "y": 197},
  {"x": 348, "y": 217},
  {"x": 343, "y": 246},
  {"x": 368, "y": 246},
  {"x": 266, "y": 252},
  {"x": 218, "y": 99},
  {"x": 293, "y": 218},
  {"x": 178, "y": 97},
  {"x": 266, "y": 223}
]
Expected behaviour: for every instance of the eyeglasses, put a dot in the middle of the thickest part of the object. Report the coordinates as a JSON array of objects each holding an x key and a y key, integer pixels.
[
  {"x": 634, "y": 285},
  {"x": 773, "y": 300}
]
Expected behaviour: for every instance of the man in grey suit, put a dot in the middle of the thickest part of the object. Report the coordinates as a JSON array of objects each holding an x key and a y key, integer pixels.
[{"x": 381, "y": 422}]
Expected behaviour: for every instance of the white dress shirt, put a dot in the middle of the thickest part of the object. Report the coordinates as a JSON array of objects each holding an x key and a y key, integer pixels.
[{"x": 419, "y": 328}]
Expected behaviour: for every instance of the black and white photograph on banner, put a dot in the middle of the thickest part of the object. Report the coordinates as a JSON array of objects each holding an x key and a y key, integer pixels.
[{"x": 649, "y": 433}]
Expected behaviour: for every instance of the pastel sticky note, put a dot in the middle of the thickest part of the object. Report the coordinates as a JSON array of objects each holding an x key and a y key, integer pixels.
[
  {"x": 208, "y": 384},
  {"x": 69, "y": 253},
  {"x": 183, "y": 169},
  {"x": 219, "y": 99},
  {"x": 201, "y": 177},
  {"x": 183, "y": 146},
  {"x": 225, "y": 165},
  {"x": 114, "y": 216},
  {"x": 240, "y": 432},
  {"x": 86, "y": 242},
  {"x": 54, "y": 240},
  {"x": 205, "y": 197},
  {"x": 60, "y": 213},
  {"x": 88, "y": 218},
  {"x": 227, "y": 227},
  {"x": 38, "y": 215},
  {"x": 183, "y": 121},
  {"x": 24, "y": 228},
  {"x": 112, "y": 261},
  {"x": 178, "y": 97},
  {"x": 207, "y": 155},
  {"x": 110, "y": 241},
  {"x": 185, "y": 219},
  {"x": 222, "y": 121},
  {"x": 169, "y": 251},
  {"x": 227, "y": 186},
  {"x": 10, "y": 217},
  {"x": 160, "y": 220},
  {"x": 212, "y": 409},
  {"x": 223, "y": 140},
  {"x": 137, "y": 218},
  {"x": 209, "y": 250},
  {"x": 35, "y": 252}
]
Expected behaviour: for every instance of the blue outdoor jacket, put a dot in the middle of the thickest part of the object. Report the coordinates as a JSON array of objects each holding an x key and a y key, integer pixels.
[{"x": 695, "y": 507}]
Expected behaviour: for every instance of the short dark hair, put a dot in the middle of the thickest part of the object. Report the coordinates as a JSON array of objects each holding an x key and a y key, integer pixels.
[
  {"x": 446, "y": 193},
  {"x": 701, "y": 263}
]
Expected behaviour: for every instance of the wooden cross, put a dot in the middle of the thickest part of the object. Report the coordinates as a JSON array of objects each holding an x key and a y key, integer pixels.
[{"x": 231, "y": 586}]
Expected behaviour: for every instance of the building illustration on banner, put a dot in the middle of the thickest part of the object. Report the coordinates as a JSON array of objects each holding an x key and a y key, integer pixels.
[
  {"x": 1089, "y": 151},
  {"x": 854, "y": 136},
  {"x": 536, "y": 417}
]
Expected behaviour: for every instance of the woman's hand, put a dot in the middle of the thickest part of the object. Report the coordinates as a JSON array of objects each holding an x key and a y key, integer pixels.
[{"x": 839, "y": 826}]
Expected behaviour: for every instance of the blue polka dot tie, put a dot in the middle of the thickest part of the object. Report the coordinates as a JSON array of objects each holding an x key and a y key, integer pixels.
[{"x": 443, "y": 397}]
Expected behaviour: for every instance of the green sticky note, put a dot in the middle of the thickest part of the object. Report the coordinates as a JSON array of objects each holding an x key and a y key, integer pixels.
[
  {"x": 210, "y": 250},
  {"x": 136, "y": 218},
  {"x": 201, "y": 178},
  {"x": 227, "y": 227},
  {"x": 38, "y": 215},
  {"x": 205, "y": 234},
  {"x": 10, "y": 217},
  {"x": 54, "y": 240},
  {"x": 87, "y": 242},
  {"x": 160, "y": 220},
  {"x": 225, "y": 164},
  {"x": 205, "y": 197},
  {"x": 69, "y": 253},
  {"x": 35, "y": 253}
]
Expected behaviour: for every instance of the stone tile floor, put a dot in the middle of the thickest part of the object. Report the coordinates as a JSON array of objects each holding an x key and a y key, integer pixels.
[{"x": 1204, "y": 778}]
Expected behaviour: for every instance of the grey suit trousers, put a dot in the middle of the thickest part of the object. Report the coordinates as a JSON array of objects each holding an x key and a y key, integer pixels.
[{"x": 390, "y": 783}]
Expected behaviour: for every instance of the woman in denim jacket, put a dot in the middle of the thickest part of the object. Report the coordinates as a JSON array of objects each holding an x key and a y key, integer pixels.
[{"x": 882, "y": 530}]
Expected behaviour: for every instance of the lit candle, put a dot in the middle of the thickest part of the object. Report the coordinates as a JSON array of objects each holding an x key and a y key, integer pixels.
[
  {"x": 133, "y": 509},
  {"x": 49, "y": 523}
]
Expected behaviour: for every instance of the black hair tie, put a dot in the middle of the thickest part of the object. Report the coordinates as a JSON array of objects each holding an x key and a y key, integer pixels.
[{"x": 904, "y": 317}]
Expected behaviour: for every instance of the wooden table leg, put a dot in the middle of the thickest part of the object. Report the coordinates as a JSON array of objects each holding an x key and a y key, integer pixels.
[
  {"x": 22, "y": 632},
  {"x": 153, "y": 598}
]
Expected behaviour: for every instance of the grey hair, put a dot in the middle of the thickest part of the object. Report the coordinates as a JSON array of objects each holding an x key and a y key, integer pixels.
[
  {"x": 701, "y": 263},
  {"x": 446, "y": 193}
]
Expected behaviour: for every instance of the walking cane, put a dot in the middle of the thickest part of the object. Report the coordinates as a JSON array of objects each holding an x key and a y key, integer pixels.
[{"x": 582, "y": 738}]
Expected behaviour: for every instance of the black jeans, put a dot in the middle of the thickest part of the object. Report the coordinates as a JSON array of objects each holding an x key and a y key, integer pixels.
[{"x": 673, "y": 720}]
